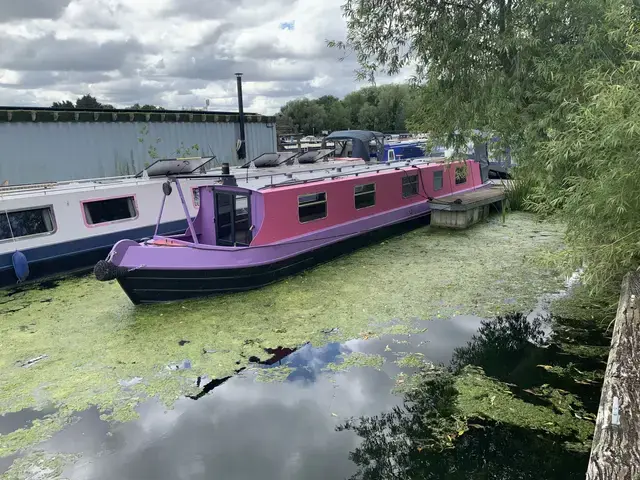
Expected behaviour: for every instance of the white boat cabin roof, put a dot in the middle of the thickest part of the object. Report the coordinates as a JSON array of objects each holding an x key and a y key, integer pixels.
[{"x": 157, "y": 172}]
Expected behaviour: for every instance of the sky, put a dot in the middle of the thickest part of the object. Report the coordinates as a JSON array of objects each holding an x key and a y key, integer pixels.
[{"x": 172, "y": 53}]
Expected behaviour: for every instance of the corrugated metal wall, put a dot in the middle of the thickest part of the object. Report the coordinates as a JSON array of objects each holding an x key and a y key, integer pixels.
[{"x": 50, "y": 151}]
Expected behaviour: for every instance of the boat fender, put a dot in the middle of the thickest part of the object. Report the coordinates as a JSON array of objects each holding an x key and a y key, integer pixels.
[
  {"x": 20, "y": 266},
  {"x": 105, "y": 271},
  {"x": 166, "y": 188}
]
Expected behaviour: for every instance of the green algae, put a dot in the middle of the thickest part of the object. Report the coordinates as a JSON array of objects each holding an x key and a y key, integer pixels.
[
  {"x": 484, "y": 397},
  {"x": 406, "y": 383},
  {"x": 275, "y": 374},
  {"x": 94, "y": 337},
  {"x": 411, "y": 360},
  {"x": 38, "y": 431},
  {"x": 355, "y": 359},
  {"x": 583, "y": 308},
  {"x": 38, "y": 466}
]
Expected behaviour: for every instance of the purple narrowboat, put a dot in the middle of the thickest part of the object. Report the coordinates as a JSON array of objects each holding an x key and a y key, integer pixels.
[{"x": 244, "y": 238}]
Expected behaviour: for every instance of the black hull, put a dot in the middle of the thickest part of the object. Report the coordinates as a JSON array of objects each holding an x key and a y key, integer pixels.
[{"x": 155, "y": 286}]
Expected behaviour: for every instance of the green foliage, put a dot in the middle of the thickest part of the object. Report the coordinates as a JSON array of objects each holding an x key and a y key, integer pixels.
[
  {"x": 305, "y": 116},
  {"x": 86, "y": 102},
  {"x": 557, "y": 81},
  {"x": 65, "y": 105},
  {"x": 381, "y": 108},
  {"x": 518, "y": 192},
  {"x": 593, "y": 167},
  {"x": 482, "y": 64},
  {"x": 181, "y": 152},
  {"x": 89, "y": 102},
  {"x": 146, "y": 107}
]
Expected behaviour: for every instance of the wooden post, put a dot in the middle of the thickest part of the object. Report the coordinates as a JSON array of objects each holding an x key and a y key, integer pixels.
[{"x": 615, "y": 452}]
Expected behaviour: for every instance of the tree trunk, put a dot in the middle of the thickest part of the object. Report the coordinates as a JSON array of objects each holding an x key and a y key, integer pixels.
[{"x": 615, "y": 453}]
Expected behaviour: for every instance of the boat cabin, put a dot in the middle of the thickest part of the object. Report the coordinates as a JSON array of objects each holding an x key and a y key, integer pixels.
[
  {"x": 231, "y": 216},
  {"x": 244, "y": 238}
]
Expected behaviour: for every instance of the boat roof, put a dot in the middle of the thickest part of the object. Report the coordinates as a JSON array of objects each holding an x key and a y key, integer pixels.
[
  {"x": 369, "y": 168},
  {"x": 184, "y": 167}
]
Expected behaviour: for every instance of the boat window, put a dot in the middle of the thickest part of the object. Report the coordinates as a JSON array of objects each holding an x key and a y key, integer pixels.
[
  {"x": 196, "y": 197},
  {"x": 109, "y": 210},
  {"x": 23, "y": 223},
  {"x": 365, "y": 195},
  {"x": 312, "y": 206},
  {"x": 242, "y": 220},
  {"x": 437, "y": 180},
  {"x": 391, "y": 156},
  {"x": 461, "y": 175},
  {"x": 224, "y": 218},
  {"x": 233, "y": 219},
  {"x": 409, "y": 186}
]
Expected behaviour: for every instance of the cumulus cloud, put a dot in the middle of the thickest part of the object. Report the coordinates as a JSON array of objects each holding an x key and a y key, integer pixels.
[
  {"x": 48, "y": 53},
  {"x": 17, "y": 10},
  {"x": 174, "y": 53}
]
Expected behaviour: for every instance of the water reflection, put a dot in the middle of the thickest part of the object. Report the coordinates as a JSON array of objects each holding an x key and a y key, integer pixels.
[
  {"x": 277, "y": 356},
  {"x": 244, "y": 429},
  {"x": 240, "y": 428},
  {"x": 429, "y": 436},
  {"x": 518, "y": 351},
  {"x": 414, "y": 441},
  {"x": 10, "y": 422}
]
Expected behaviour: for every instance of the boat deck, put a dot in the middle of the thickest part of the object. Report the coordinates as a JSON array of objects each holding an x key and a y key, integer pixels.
[
  {"x": 459, "y": 202},
  {"x": 461, "y": 210}
]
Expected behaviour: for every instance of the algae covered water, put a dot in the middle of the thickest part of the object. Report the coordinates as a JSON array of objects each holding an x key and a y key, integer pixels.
[{"x": 84, "y": 374}]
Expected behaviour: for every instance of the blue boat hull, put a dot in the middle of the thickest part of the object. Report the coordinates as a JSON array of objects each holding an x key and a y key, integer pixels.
[{"x": 76, "y": 255}]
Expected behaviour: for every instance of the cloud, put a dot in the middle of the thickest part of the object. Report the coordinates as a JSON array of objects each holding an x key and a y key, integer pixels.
[
  {"x": 247, "y": 12},
  {"x": 95, "y": 14},
  {"x": 48, "y": 53},
  {"x": 26, "y": 9},
  {"x": 175, "y": 53},
  {"x": 241, "y": 430}
]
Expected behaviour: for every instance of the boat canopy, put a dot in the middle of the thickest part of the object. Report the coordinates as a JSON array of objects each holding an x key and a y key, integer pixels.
[{"x": 361, "y": 142}]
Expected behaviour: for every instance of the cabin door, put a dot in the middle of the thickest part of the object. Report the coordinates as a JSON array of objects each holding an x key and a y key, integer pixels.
[{"x": 233, "y": 219}]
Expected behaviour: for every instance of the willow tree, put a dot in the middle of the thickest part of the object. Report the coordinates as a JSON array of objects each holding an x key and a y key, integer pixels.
[
  {"x": 590, "y": 162},
  {"x": 483, "y": 64},
  {"x": 535, "y": 73}
]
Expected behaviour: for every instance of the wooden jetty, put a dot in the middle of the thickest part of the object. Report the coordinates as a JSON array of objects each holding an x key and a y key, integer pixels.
[
  {"x": 615, "y": 452},
  {"x": 461, "y": 210}
]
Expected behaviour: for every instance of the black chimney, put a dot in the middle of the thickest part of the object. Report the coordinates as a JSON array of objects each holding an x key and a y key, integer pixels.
[{"x": 242, "y": 152}]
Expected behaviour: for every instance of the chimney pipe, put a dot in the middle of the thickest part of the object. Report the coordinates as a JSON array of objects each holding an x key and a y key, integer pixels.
[{"x": 242, "y": 151}]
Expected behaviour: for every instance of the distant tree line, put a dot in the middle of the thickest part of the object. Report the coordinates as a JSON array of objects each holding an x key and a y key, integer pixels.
[
  {"x": 88, "y": 102},
  {"x": 383, "y": 108}
]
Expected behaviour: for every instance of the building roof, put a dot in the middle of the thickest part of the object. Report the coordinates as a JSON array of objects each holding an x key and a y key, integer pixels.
[{"x": 45, "y": 114}]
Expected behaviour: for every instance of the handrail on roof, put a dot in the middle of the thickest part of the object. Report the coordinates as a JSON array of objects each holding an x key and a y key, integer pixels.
[{"x": 367, "y": 170}]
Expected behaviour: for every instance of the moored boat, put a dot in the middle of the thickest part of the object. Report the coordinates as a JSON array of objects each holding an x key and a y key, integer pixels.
[
  {"x": 60, "y": 227},
  {"x": 244, "y": 238}
]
